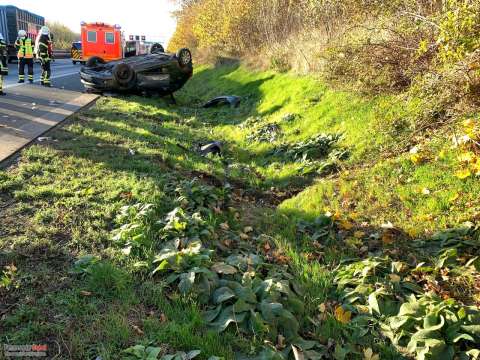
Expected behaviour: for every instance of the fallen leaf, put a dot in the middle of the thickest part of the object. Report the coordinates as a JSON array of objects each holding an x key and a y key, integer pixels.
[
  {"x": 463, "y": 174},
  {"x": 297, "y": 353},
  {"x": 387, "y": 238},
  {"x": 281, "y": 342},
  {"x": 416, "y": 159},
  {"x": 469, "y": 124},
  {"x": 163, "y": 318},
  {"x": 369, "y": 355},
  {"x": 359, "y": 234},
  {"x": 227, "y": 242},
  {"x": 454, "y": 197},
  {"x": 395, "y": 278},
  {"x": 244, "y": 236},
  {"x": 247, "y": 229},
  {"x": 222, "y": 268},
  {"x": 322, "y": 307},
  {"x": 345, "y": 225},
  {"x": 342, "y": 316},
  {"x": 467, "y": 157},
  {"x": 137, "y": 330},
  {"x": 224, "y": 226},
  {"x": 85, "y": 293}
]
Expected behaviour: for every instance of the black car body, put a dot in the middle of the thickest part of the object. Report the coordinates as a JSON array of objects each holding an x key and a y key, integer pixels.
[{"x": 159, "y": 72}]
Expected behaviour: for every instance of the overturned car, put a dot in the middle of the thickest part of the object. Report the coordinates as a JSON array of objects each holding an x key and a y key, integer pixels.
[{"x": 156, "y": 73}]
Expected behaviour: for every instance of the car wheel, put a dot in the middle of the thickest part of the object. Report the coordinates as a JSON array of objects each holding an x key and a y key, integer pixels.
[
  {"x": 184, "y": 57},
  {"x": 74, "y": 62},
  {"x": 94, "y": 61},
  {"x": 157, "y": 49},
  {"x": 124, "y": 75}
]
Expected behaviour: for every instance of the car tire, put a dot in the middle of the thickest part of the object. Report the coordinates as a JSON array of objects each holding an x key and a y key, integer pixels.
[
  {"x": 124, "y": 75},
  {"x": 74, "y": 62},
  {"x": 94, "y": 61},
  {"x": 184, "y": 57},
  {"x": 157, "y": 49}
]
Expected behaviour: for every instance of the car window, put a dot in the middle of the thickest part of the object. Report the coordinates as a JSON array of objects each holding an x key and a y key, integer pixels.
[
  {"x": 92, "y": 36},
  {"x": 109, "y": 38}
]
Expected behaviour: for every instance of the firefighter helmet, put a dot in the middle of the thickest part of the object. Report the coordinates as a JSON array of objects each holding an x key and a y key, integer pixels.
[
  {"x": 45, "y": 30},
  {"x": 22, "y": 33}
]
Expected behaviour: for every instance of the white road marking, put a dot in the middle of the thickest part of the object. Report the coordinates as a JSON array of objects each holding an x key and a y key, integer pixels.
[{"x": 53, "y": 77}]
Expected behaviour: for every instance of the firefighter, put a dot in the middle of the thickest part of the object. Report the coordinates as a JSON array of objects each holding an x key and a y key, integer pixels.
[
  {"x": 25, "y": 56},
  {"x": 3, "y": 62},
  {"x": 43, "y": 50}
]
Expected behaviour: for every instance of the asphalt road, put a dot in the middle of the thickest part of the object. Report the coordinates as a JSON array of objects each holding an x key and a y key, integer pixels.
[{"x": 65, "y": 75}]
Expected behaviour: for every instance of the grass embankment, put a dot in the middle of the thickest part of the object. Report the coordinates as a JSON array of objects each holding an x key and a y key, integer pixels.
[{"x": 66, "y": 199}]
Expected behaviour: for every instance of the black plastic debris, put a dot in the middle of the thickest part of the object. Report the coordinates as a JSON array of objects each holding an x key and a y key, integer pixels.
[
  {"x": 215, "y": 148},
  {"x": 232, "y": 100}
]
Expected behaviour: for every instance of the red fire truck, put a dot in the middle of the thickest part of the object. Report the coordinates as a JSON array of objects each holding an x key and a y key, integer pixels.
[
  {"x": 108, "y": 43},
  {"x": 102, "y": 40}
]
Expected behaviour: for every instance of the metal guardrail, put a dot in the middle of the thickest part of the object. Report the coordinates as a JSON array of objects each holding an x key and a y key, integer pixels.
[{"x": 61, "y": 54}]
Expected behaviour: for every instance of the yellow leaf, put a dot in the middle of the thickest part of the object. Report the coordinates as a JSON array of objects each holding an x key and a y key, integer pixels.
[
  {"x": 369, "y": 355},
  {"x": 395, "y": 278},
  {"x": 387, "y": 238},
  {"x": 224, "y": 226},
  {"x": 346, "y": 225},
  {"x": 354, "y": 216},
  {"x": 467, "y": 157},
  {"x": 412, "y": 232},
  {"x": 322, "y": 307},
  {"x": 416, "y": 159},
  {"x": 463, "y": 174},
  {"x": 342, "y": 316},
  {"x": 454, "y": 197},
  {"x": 247, "y": 229},
  {"x": 469, "y": 124},
  {"x": 359, "y": 234}
]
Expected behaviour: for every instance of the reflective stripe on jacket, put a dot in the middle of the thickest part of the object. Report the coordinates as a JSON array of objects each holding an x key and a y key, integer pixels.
[
  {"x": 43, "y": 51},
  {"x": 3, "y": 58},
  {"x": 25, "y": 48}
]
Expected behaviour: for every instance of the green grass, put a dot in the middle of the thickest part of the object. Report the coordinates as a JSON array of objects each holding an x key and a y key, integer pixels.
[{"x": 61, "y": 200}]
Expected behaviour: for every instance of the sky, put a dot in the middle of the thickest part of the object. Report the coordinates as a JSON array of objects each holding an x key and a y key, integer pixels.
[{"x": 138, "y": 17}]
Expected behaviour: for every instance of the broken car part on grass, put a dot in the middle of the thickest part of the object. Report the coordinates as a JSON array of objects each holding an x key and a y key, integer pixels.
[{"x": 232, "y": 100}]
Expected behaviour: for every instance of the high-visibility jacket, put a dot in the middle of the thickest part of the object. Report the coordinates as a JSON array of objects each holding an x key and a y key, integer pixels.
[
  {"x": 3, "y": 58},
  {"x": 25, "y": 48}
]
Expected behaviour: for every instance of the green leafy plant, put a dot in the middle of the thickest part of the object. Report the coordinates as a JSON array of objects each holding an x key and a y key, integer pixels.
[
  {"x": 140, "y": 352},
  {"x": 193, "y": 196},
  {"x": 265, "y": 133},
  {"x": 431, "y": 328},
  {"x": 8, "y": 279},
  {"x": 187, "y": 265},
  {"x": 312, "y": 149}
]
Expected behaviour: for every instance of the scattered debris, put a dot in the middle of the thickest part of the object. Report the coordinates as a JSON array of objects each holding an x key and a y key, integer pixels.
[
  {"x": 214, "y": 147},
  {"x": 289, "y": 117},
  {"x": 232, "y": 100},
  {"x": 44, "y": 138}
]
